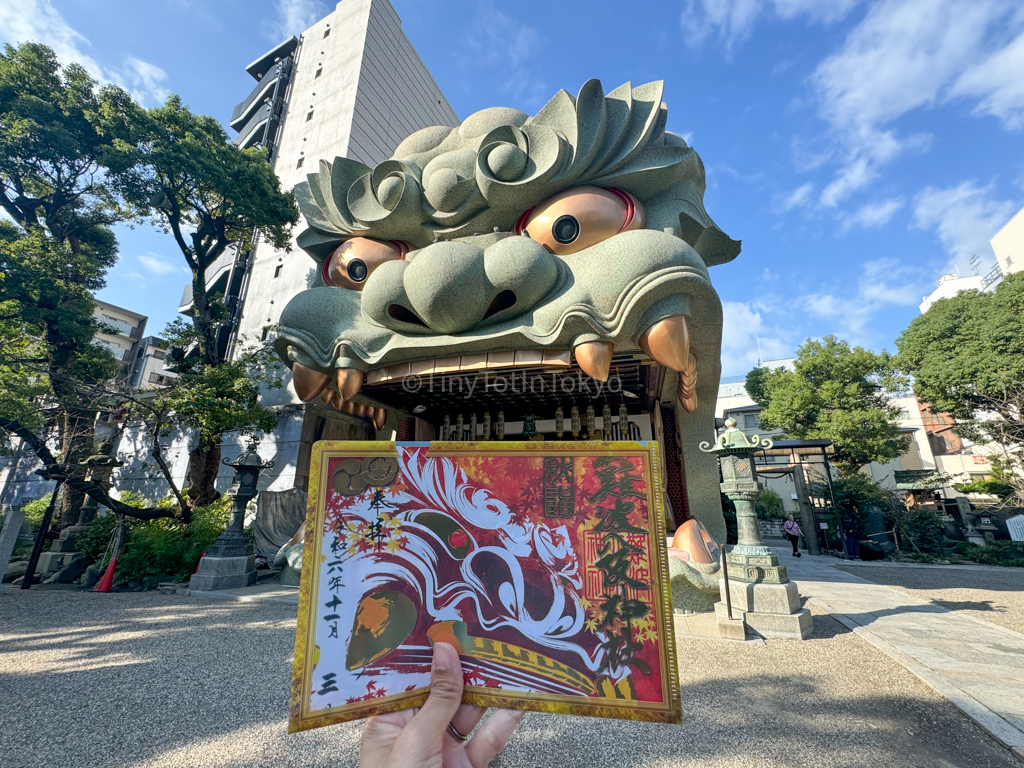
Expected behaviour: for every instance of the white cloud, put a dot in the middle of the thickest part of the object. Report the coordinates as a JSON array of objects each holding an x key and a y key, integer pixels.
[
  {"x": 160, "y": 265},
  {"x": 964, "y": 217},
  {"x": 873, "y": 214},
  {"x": 294, "y": 17},
  {"x": 798, "y": 198},
  {"x": 999, "y": 83},
  {"x": 38, "y": 20},
  {"x": 732, "y": 21},
  {"x": 143, "y": 80},
  {"x": 883, "y": 283},
  {"x": 743, "y": 328},
  {"x": 499, "y": 41},
  {"x": 904, "y": 55}
]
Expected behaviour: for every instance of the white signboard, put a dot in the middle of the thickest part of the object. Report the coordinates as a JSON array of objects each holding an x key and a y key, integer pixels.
[{"x": 1015, "y": 525}]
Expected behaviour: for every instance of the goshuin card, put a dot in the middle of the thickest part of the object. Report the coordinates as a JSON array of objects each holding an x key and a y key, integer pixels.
[{"x": 544, "y": 564}]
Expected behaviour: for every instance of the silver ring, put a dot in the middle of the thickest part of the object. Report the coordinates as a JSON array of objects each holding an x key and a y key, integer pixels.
[{"x": 456, "y": 734}]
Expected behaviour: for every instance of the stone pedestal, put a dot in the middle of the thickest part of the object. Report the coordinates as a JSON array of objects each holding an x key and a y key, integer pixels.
[
  {"x": 764, "y": 597},
  {"x": 61, "y": 552},
  {"x": 730, "y": 628},
  {"x": 224, "y": 573},
  {"x": 228, "y": 563},
  {"x": 51, "y": 562}
]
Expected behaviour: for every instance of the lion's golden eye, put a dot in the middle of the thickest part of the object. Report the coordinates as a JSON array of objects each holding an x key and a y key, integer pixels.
[
  {"x": 578, "y": 218},
  {"x": 354, "y": 260}
]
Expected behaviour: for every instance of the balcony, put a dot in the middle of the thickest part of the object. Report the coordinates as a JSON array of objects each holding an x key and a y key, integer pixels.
[
  {"x": 216, "y": 280},
  {"x": 255, "y": 130},
  {"x": 262, "y": 65},
  {"x": 245, "y": 109},
  {"x": 185, "y": 304}
]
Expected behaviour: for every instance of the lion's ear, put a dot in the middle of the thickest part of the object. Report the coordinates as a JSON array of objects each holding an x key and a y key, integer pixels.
[{"x": 711, "y": 243}]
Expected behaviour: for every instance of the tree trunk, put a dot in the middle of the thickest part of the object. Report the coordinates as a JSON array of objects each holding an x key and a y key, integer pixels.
[
  {"x": 202, "y": 319},
  {"x": 204, "y": 464},
  {"x": 77, "y": 438}
]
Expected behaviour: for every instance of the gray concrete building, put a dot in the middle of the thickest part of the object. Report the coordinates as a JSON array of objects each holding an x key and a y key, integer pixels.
[
  {"x": 355, "y": 87},
  {"x": 149, "y": 370},
  {"x": 351, "y": 85}
]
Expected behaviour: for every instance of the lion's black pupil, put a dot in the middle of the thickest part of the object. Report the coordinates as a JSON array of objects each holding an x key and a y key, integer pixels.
[
  {"x": 565, "y": 229},
  {"x": 357, "y": 270}
]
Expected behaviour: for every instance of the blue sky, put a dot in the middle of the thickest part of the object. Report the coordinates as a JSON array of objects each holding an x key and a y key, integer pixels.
[{"x": 859, "y": 149}]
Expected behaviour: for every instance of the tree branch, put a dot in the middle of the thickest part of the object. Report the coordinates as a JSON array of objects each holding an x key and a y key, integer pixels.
[
  {"x": 55, "y": 471},
  {"x": 186, "y": 509}
]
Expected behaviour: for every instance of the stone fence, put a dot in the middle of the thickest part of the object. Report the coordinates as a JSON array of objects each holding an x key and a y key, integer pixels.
[{"x": 772, "y": 528}]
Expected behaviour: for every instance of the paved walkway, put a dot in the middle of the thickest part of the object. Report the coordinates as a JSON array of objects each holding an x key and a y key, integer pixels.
[{"x": 976, "y": 665}]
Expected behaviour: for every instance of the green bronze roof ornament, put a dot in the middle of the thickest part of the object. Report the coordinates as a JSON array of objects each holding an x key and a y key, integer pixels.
[{"x": 733, "y": 441}]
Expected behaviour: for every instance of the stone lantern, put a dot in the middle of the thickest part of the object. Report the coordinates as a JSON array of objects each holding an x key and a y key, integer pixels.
[
  {"x": 98, "y": 468},
  {"x": 229, "y": 561},
  {"x": 757, "y": 584}
]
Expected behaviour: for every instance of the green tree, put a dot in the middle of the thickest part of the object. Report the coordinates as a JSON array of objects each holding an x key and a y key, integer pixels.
[
  {"x": 56, "y": 129},
  {"x": 188, "y": 179},
  {"x": 966, "y": 356},
  {"x": 768, "y": 504},
  {"x": 75, "y": 159},
  {"x": 837, "y": 393}
]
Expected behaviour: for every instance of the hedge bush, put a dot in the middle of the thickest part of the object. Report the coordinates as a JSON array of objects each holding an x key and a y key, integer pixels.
[
  {"x": 1010, "y": 553},
  {"x": 163, "y": 547}
]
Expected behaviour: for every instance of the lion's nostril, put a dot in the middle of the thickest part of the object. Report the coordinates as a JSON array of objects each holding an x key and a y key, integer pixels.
[
  {"x": 398, "y": 312},
  {"x": 502, "y": 301}
]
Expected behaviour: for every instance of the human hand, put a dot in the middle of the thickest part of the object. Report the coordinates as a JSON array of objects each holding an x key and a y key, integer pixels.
[{"x": 422, "y": 739}]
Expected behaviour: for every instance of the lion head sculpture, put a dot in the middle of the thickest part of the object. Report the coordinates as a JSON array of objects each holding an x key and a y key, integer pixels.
[{"x": 579, "y": 233}]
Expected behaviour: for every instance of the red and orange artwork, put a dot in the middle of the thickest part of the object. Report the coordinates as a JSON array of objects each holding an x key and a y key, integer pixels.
[{"x": 543, "y": 564}]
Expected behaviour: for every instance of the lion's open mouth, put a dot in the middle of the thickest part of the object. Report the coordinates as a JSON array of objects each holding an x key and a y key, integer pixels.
[
  {"x": 474, "y": 390},
  {"x": 615, "y": 317}
]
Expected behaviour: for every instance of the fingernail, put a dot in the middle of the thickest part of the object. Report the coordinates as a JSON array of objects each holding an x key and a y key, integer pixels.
[{"x": 442, "y": 660}]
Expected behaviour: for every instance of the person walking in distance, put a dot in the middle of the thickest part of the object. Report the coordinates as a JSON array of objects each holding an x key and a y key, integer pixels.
[{"x": 793, "y": 533}]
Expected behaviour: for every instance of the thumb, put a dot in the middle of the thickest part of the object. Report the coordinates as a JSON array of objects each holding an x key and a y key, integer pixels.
[{"x": 445, "y": 696}]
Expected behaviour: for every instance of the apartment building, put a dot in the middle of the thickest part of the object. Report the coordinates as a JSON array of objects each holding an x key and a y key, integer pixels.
[
  {"x": 149, "y": 370},
  {"x": 120, "y": 333}
]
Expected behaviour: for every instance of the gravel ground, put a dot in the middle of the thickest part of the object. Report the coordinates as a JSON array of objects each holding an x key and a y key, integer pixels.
[
  {"x": 992, "y": 594},
  {"x": 151, "y": 680}
]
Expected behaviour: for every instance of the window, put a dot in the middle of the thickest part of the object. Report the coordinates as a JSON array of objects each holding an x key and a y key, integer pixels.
[
  {"x": 751, "y": 421},
  {"x": 298, "y": 164},
  {"x": 309, "y": 115},
  {"x": 327, "y": 32},
  {"x": 266, "y": 332},
  {"x": 319, "y": 71},
  {"x": 277, "y": 270}
]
